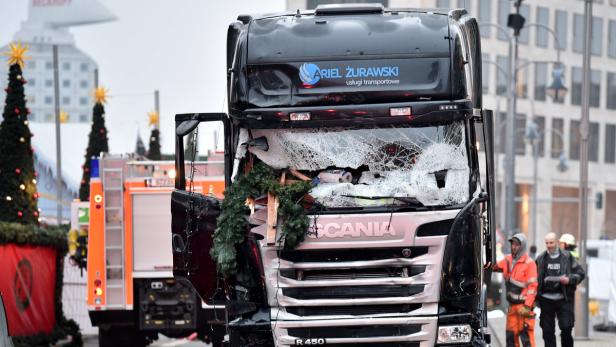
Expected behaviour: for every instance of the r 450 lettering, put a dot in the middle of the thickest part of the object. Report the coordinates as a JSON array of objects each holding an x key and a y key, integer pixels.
[{"x": 309, "y": 342}]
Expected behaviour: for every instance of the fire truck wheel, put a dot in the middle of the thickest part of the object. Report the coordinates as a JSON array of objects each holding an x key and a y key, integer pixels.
[{"x": 121, "y": 336}]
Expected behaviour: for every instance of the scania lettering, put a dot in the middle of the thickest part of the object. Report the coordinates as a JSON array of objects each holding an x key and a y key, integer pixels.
[
  {"x": 335, "y": 230},
  {"x": 380, "y": 111}
]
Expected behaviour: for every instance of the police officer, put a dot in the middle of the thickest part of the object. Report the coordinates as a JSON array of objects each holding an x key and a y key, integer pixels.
[{"x": 559, "y": 275}]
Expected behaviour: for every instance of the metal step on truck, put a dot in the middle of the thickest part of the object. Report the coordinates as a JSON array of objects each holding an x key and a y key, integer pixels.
[
  {"x": 380, "y": 112},
  {"x": 132, "y": 295}
]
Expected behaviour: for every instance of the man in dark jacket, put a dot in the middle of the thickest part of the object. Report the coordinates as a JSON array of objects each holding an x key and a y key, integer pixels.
[{"x": 558, "y": 276}]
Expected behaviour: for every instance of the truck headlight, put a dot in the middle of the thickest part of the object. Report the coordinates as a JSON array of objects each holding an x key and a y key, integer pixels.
[{"x": 454, "y": 334}]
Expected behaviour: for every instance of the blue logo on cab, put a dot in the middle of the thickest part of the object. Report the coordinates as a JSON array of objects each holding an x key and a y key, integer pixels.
[{"x": 309, "y": 73}]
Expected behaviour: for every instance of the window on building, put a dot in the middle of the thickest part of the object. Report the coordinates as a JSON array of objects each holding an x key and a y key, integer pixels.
[
  {"x": 32, "y": 100},
  {"x": 66, "y": 66},
  {"x": 83, "y": 118},
  {"x": 66, "y": 83},
  {"x": 443, "y": 4},
  {"x": 48, "y": 83},
  {"x": 557, "y": 133},
  {"x": 33, "y": 117},
  {"x": 540, "y": 121},
  {"x": 83, "y": 100},
  {"x": 502, "y": 129},
  {"x": 597, "y": 36},
  {"x": 578, "y": 33},
  {"x": 541, "y": 75},
  {"x": 504, "y": 8},
  {"x": 522, "y": 86},
  {"x": 611, "y": 90},
  {"x": 48, "y": 117},
  {"x": 593, "y": 142},
  {"x": 576, "y": 86},
  {"x": 485, "y": 16},
  {"x": 560, "y": 27},
  {"x": 83, "y": 67},
  {"x": 595, "y": 88},
  {"x": 485, "y": 73},
  {"x": 501, "y": 77},
  {"x": 66, "y": 100},
  {"x": 83, "y": 83},
  {"x": 611, "y": 41},
  {"x": 520, "y": 132},
  {"x": 543, "y": 17},
  {"x": 574, "y": 140},
  {"x": 32, "y": 82},
  {"x": 314, "y": 3},
  {"x": 610, "y": 143},
  {"x": 48, "y": 100},
  {"x": 464, "y": 3},
  {"x": 32, "y": 65},
  {"x": 48, "y": 65}
]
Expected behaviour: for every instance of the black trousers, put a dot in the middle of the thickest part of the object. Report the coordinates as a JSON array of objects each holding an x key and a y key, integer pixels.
[{"x": 564, "y": 311}]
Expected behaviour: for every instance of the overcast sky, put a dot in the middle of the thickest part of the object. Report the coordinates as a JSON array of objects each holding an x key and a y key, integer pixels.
[{"x": 175, "y": 46}]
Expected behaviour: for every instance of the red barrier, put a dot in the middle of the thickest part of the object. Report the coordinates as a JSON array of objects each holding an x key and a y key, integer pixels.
[{"x": 27, "y": 283}]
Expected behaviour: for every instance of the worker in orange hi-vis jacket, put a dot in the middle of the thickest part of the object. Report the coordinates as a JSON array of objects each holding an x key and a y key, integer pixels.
[{"x": 520, "y": 273}]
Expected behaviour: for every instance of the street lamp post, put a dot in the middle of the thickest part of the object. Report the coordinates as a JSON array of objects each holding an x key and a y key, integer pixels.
[{"x": 581, "y": 330}]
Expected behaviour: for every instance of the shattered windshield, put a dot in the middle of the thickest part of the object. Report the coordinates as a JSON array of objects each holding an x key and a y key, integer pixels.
[{"x": 359, "y": 167}]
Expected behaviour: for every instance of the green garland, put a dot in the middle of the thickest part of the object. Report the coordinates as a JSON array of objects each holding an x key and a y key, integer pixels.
[
  {"x": 232, "y": 223},
  {"x": 54, "y": 237}
]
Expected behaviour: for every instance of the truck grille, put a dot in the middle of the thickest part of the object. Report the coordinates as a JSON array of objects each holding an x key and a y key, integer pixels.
[
  {"x": 352, "y": 310},
  {"x": 350, "y": 293},
  {"x": 350, "y": 274},
  {"x": 340, "y": 255},
  {"x": 355, "y": 331}
]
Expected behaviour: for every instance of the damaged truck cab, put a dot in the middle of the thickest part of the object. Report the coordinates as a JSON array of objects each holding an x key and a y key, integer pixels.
[{"x": 380, "y": 110}]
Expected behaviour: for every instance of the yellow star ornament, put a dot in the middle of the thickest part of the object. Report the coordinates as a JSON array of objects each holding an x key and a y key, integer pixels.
[
  {"x": 153, "y": 118},
  {"x": 63, "y": 117},
  {"x": 100, "y": 95},
  {"x": 17, "y": 54}
]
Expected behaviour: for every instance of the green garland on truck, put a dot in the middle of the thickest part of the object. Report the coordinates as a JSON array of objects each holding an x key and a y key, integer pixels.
[{"x": 232, "y": 224}]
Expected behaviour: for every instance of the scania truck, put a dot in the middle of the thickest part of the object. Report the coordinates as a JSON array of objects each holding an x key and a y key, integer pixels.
[{"x": 380, "y": 111}]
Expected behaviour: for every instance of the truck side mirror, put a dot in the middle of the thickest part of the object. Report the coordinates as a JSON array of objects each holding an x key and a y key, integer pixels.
[{"x": 186, "y": 127}]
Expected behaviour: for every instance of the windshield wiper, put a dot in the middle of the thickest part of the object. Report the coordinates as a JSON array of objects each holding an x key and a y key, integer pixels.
[{"x": 406, "y": 199}]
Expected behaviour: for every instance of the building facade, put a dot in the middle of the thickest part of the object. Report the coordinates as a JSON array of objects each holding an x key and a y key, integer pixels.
[
  {"x": 47, "y": 25},
  {"x": 558, "y": 121}
]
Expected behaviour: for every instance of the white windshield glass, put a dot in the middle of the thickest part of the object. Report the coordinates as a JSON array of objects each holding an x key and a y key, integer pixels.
[{"x": 427, "y": 163}]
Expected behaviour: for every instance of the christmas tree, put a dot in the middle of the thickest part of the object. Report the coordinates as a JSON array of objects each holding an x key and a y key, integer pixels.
[
  {"x": 154, "y": 146},
  {"x": 97, "y": 141},
  {"x": 18, "y": 194}
]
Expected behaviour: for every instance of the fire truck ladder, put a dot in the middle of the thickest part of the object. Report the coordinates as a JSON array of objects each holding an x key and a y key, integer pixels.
[{"x": 112, "y": 178}]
